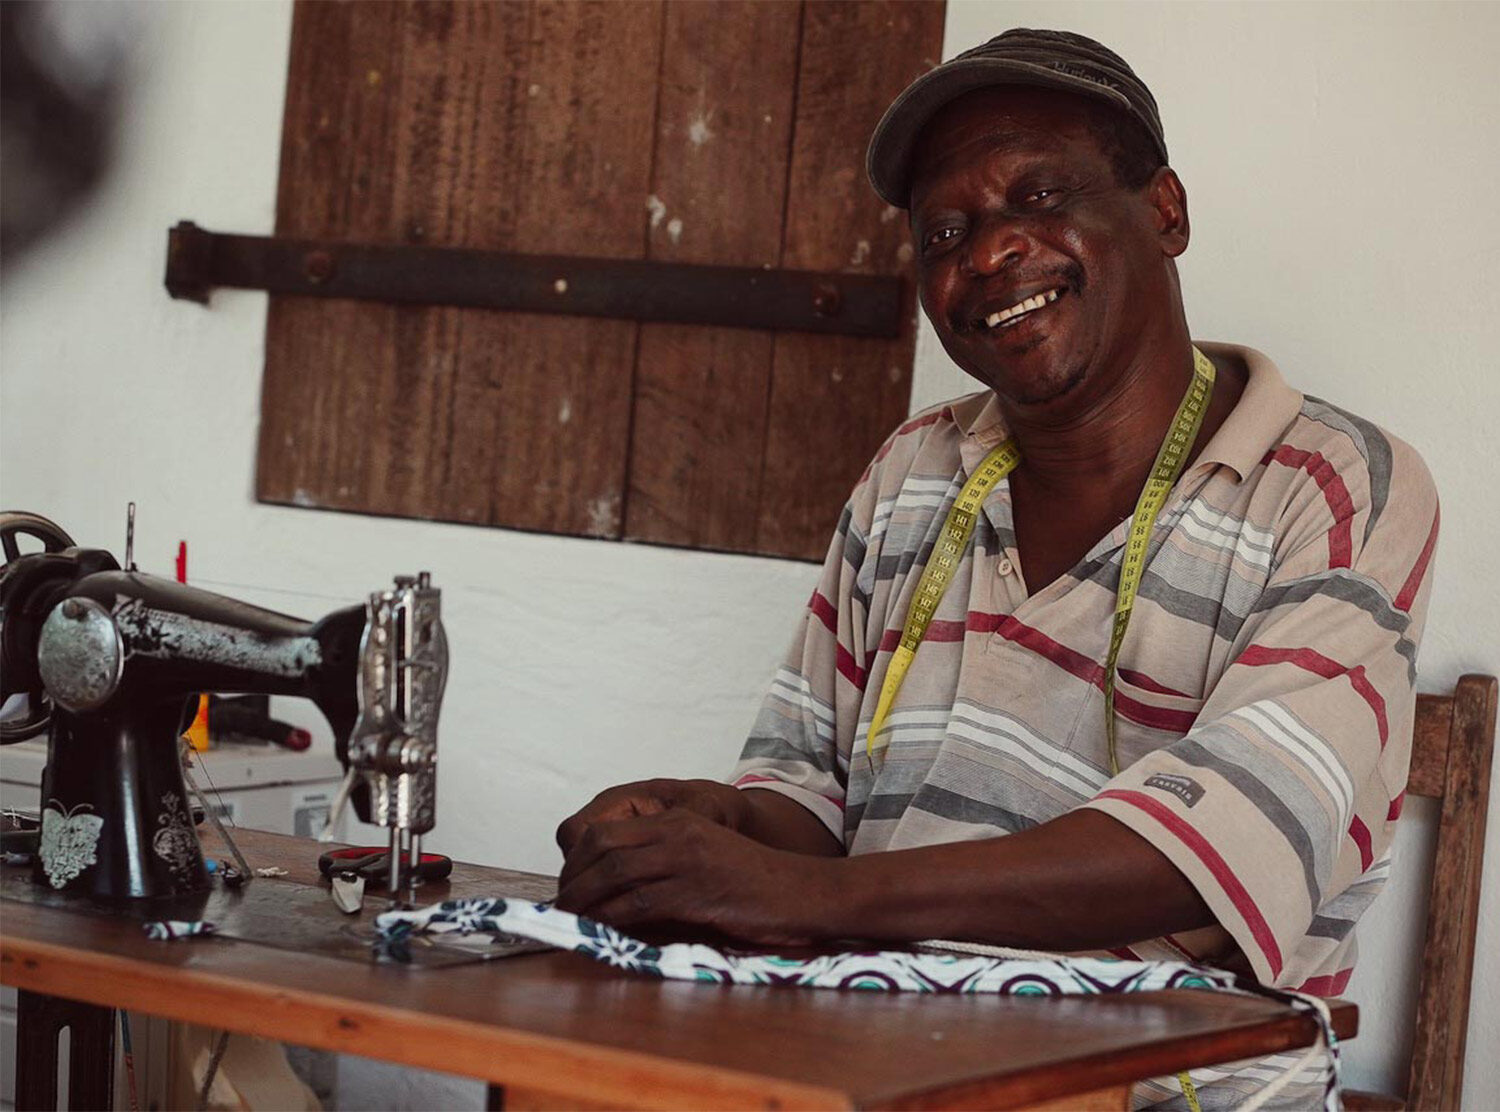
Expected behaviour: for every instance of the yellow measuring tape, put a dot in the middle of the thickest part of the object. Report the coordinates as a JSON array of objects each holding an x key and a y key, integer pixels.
[
  {"x": 947, "y": 554},
  {"x": 1170, "y": 457},
  {"x": 958, "y": 530}
]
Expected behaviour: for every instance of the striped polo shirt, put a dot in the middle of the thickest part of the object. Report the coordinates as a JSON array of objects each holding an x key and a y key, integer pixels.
[{"x": 1265, "y": 686}]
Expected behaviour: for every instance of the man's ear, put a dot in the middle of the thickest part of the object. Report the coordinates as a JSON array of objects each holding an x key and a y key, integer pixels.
[{"x": 1168, "y": 199}]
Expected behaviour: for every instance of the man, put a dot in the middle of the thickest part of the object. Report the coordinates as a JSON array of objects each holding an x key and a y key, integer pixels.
[{"x": 1222, "y": 780}]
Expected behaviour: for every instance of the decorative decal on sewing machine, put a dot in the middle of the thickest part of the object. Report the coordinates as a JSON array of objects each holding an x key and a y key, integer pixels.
[
  {"x": 161, "y": 633},
  {"x": 69, "y": 841},
  {"x": 175, "y": 843}
]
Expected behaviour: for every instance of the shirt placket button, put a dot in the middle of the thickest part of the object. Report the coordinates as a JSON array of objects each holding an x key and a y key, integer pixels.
[{"x": 1005, "y": 567}]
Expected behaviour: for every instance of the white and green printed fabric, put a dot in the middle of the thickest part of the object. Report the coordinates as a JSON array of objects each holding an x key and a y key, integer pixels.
[{"x": 1004, "y": 973}]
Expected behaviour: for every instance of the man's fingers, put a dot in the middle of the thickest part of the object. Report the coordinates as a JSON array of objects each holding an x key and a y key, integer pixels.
[
  {"x": 680, "y": 868},
  {"x": 718, "y": 803},
  {"x": 601, "y": 839},
  {"x": 614, "y": 872},
  {"x": 659, "y": 901},
  {"x": 599, "y": 811},
  {"x": 613, "y": 805}
]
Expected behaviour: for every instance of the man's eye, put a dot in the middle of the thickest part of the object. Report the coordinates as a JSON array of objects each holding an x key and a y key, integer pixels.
[
  {"x": 1037, "y": 196},
  {"x": 938, "y": 236}
]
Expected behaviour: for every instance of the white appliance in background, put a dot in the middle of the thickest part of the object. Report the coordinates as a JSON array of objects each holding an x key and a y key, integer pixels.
[
  {"x": 259, "y": 787},
  {"x": 262, "y": 787}
]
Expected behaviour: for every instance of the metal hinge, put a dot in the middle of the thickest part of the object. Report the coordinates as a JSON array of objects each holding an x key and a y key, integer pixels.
[{"x": 198, "y": 261}]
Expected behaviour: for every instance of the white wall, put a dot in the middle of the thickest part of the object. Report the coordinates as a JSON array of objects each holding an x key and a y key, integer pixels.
[{"x": 1339, "y": 161}]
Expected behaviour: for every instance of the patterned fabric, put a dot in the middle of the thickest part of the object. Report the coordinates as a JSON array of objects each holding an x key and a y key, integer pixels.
[
  {"x": 174, "y": 930},
  {"x": 1013, "y": 973},
  {"x": 1265, "y": 693}
]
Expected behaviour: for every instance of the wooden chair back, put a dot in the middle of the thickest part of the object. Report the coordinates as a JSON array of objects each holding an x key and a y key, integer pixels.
[{"x": 1452, "y": 749}]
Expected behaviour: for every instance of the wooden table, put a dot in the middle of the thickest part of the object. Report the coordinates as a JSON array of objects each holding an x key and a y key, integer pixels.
[{"x": 558, "y": 1030}]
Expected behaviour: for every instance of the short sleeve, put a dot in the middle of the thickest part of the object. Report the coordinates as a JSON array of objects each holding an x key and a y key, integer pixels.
[
  {"x": 802, "y": 737},
  {"x": 801, "y": 741},
  {"x": 1280, "y": 804},
  {"x": 793, "y": 746}
]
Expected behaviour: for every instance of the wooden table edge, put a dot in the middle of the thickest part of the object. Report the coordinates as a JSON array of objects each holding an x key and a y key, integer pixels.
[
  {"x": 488, "y": 1052},
  {"x": 606, "y": 1076},
  {"x": 1037, "y": 1087},
  {"x": 525, "y": 1060}
]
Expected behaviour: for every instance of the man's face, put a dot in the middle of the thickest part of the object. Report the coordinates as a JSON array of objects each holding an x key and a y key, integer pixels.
[{"x": 1039, "y": 270}]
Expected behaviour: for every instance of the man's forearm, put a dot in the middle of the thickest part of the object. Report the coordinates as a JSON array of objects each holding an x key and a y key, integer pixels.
[
  {"x": 1080, "y": 882},
  {"x": 774, "y": 820}
]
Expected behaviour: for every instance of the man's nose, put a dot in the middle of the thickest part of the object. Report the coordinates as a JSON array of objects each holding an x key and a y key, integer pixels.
[{"x": 994, "y": 245}]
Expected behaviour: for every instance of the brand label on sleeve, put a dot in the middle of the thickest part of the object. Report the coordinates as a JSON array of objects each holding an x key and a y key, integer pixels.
[{"x": 1189, "y": 791}]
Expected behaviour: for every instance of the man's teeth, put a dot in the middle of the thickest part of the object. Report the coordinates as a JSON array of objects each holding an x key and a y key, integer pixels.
[{"x": 1017, "y": 309}]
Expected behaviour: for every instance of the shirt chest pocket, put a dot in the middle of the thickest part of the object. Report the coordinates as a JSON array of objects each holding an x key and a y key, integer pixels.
[{"x": 1149, "y": 715}]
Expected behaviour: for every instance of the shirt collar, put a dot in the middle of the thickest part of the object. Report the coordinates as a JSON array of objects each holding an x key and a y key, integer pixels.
[
  {"x": 1263, "y": 413},
  {"x": 978, "y": 417},
  {"x": 1265, "y": 410}
]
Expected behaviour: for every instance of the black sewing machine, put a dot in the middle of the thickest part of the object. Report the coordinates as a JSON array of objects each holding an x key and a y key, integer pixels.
[{"x": 111, "y": 659}]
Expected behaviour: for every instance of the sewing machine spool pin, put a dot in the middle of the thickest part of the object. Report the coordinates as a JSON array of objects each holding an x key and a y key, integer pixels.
[{"x": 130, "y": 537}]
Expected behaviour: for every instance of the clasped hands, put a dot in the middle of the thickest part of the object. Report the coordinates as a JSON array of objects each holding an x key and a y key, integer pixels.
[{"x": 675, "y": 853}]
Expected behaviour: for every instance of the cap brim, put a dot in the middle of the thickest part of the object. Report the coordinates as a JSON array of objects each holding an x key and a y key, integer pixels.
[{"x": 888, "y": 159}]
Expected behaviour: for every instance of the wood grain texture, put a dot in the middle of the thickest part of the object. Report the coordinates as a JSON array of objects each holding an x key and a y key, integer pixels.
[
  {"x": 560, "y": 1024},
  {"x": 835, "y": 399},
  {"x": 339, "y": 129},
  {"x": 1115, "y": 1098},
  {"x": 718, "y": 194},
  {"x": 729, "y": 133},
  {"x": 1429, "y": 746},
  {"x": 1441, "y": 1030},
  {"x": 1361, "y": 1100},
  {"x": 520, "y": 127},
  {"x": 513, "y": 1098}
]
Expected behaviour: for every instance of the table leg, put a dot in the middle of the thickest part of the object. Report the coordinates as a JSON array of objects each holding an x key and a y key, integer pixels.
[{"x": 40, "y": 1019}]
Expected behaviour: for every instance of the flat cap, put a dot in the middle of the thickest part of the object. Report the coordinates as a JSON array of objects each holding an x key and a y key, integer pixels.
[{"x": 1020, "y": 56}]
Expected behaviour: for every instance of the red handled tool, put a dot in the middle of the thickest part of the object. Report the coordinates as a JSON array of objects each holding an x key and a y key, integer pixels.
[{"x": 370, "y": 862}]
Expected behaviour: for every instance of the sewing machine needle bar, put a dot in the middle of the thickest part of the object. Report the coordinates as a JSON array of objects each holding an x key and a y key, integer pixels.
[{"x": 395, "y": 866}]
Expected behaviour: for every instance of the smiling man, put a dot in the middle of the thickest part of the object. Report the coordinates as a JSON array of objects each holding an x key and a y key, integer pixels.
[{"x": 1117, "y": 653}]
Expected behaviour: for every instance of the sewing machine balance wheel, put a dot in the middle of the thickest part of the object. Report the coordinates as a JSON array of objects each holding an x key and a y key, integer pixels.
[
  {"x": 19, "y": 523},
  {"x": 15, "y": 524}
]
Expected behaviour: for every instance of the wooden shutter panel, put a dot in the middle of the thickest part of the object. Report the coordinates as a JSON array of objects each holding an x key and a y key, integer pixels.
[{"x": 728, "y": 133}]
